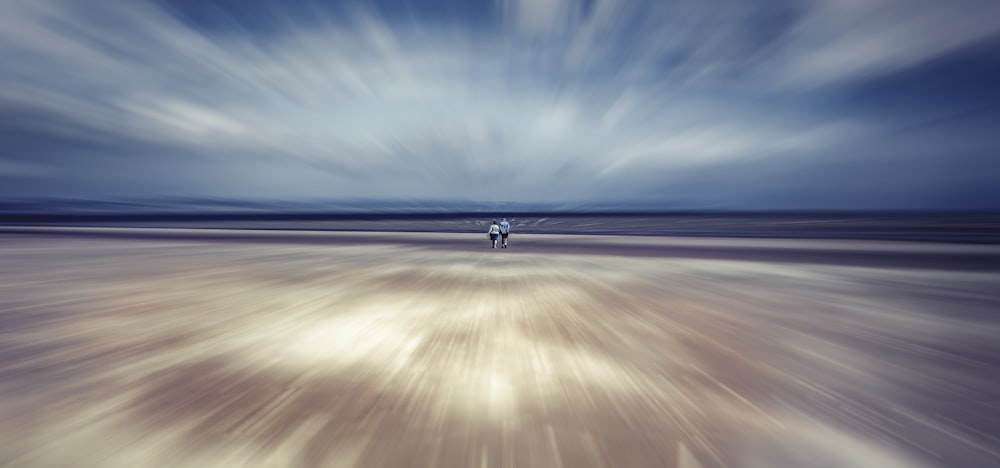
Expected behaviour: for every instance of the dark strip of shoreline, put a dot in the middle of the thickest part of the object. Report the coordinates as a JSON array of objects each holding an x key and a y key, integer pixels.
[{"x": 883, "y": 254}]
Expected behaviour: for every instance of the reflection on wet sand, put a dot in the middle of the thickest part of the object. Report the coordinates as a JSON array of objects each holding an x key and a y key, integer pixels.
[{"x": 215, "y": 352}]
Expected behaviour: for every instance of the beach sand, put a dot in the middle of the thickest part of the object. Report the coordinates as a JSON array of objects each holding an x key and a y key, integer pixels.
[{"x": 175, "y": 347}]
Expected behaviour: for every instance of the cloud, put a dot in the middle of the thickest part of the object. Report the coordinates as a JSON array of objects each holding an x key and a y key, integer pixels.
[
  {"x": 565, "y": 90},
  {"x": 838, "y": 40}
]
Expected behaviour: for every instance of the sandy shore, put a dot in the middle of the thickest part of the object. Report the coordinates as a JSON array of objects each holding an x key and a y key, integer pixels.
[{"x": 173, "y": 347}]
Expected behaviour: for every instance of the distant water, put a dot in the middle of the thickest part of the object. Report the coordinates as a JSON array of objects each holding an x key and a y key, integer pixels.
[{"x": 968, "y": 228}]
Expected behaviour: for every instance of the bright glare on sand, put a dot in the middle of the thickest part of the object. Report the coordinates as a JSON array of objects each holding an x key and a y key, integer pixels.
[{"x": 159, "y": 352}]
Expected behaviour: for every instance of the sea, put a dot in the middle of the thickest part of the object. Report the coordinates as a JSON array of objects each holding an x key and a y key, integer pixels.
[{"x": 922, "y": 227}]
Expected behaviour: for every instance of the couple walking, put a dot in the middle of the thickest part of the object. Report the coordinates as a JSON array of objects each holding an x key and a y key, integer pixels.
[{"x": 499, "y": 230}]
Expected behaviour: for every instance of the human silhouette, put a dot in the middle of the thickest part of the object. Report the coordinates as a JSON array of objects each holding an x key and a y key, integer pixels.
[
  {"x": 494, "y": 233},
  {"x": 504, "y": 231}
]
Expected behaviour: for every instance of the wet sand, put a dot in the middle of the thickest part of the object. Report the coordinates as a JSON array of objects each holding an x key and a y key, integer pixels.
[{"x": 174, "y": 347}]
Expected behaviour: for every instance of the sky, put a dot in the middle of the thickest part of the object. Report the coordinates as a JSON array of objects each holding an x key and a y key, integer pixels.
[{"x": 686, "y": 104}]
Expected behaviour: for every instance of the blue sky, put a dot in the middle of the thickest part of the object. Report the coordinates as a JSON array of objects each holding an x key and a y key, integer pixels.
[{"x": 743, "y": 104}]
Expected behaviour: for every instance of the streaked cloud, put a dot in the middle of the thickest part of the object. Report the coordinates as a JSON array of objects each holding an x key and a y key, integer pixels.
[
  {"x": 838, "y": 40},
  {"x": 554, "y": 98}
]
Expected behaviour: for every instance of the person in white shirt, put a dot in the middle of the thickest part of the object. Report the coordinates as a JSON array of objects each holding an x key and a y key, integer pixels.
[
  {"x": 504, "y": 231},
  {"x": 494, "y": 233}
]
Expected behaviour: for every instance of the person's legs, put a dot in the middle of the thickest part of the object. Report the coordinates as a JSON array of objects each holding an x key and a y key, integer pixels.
[{"x": 504, "y": 236}]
